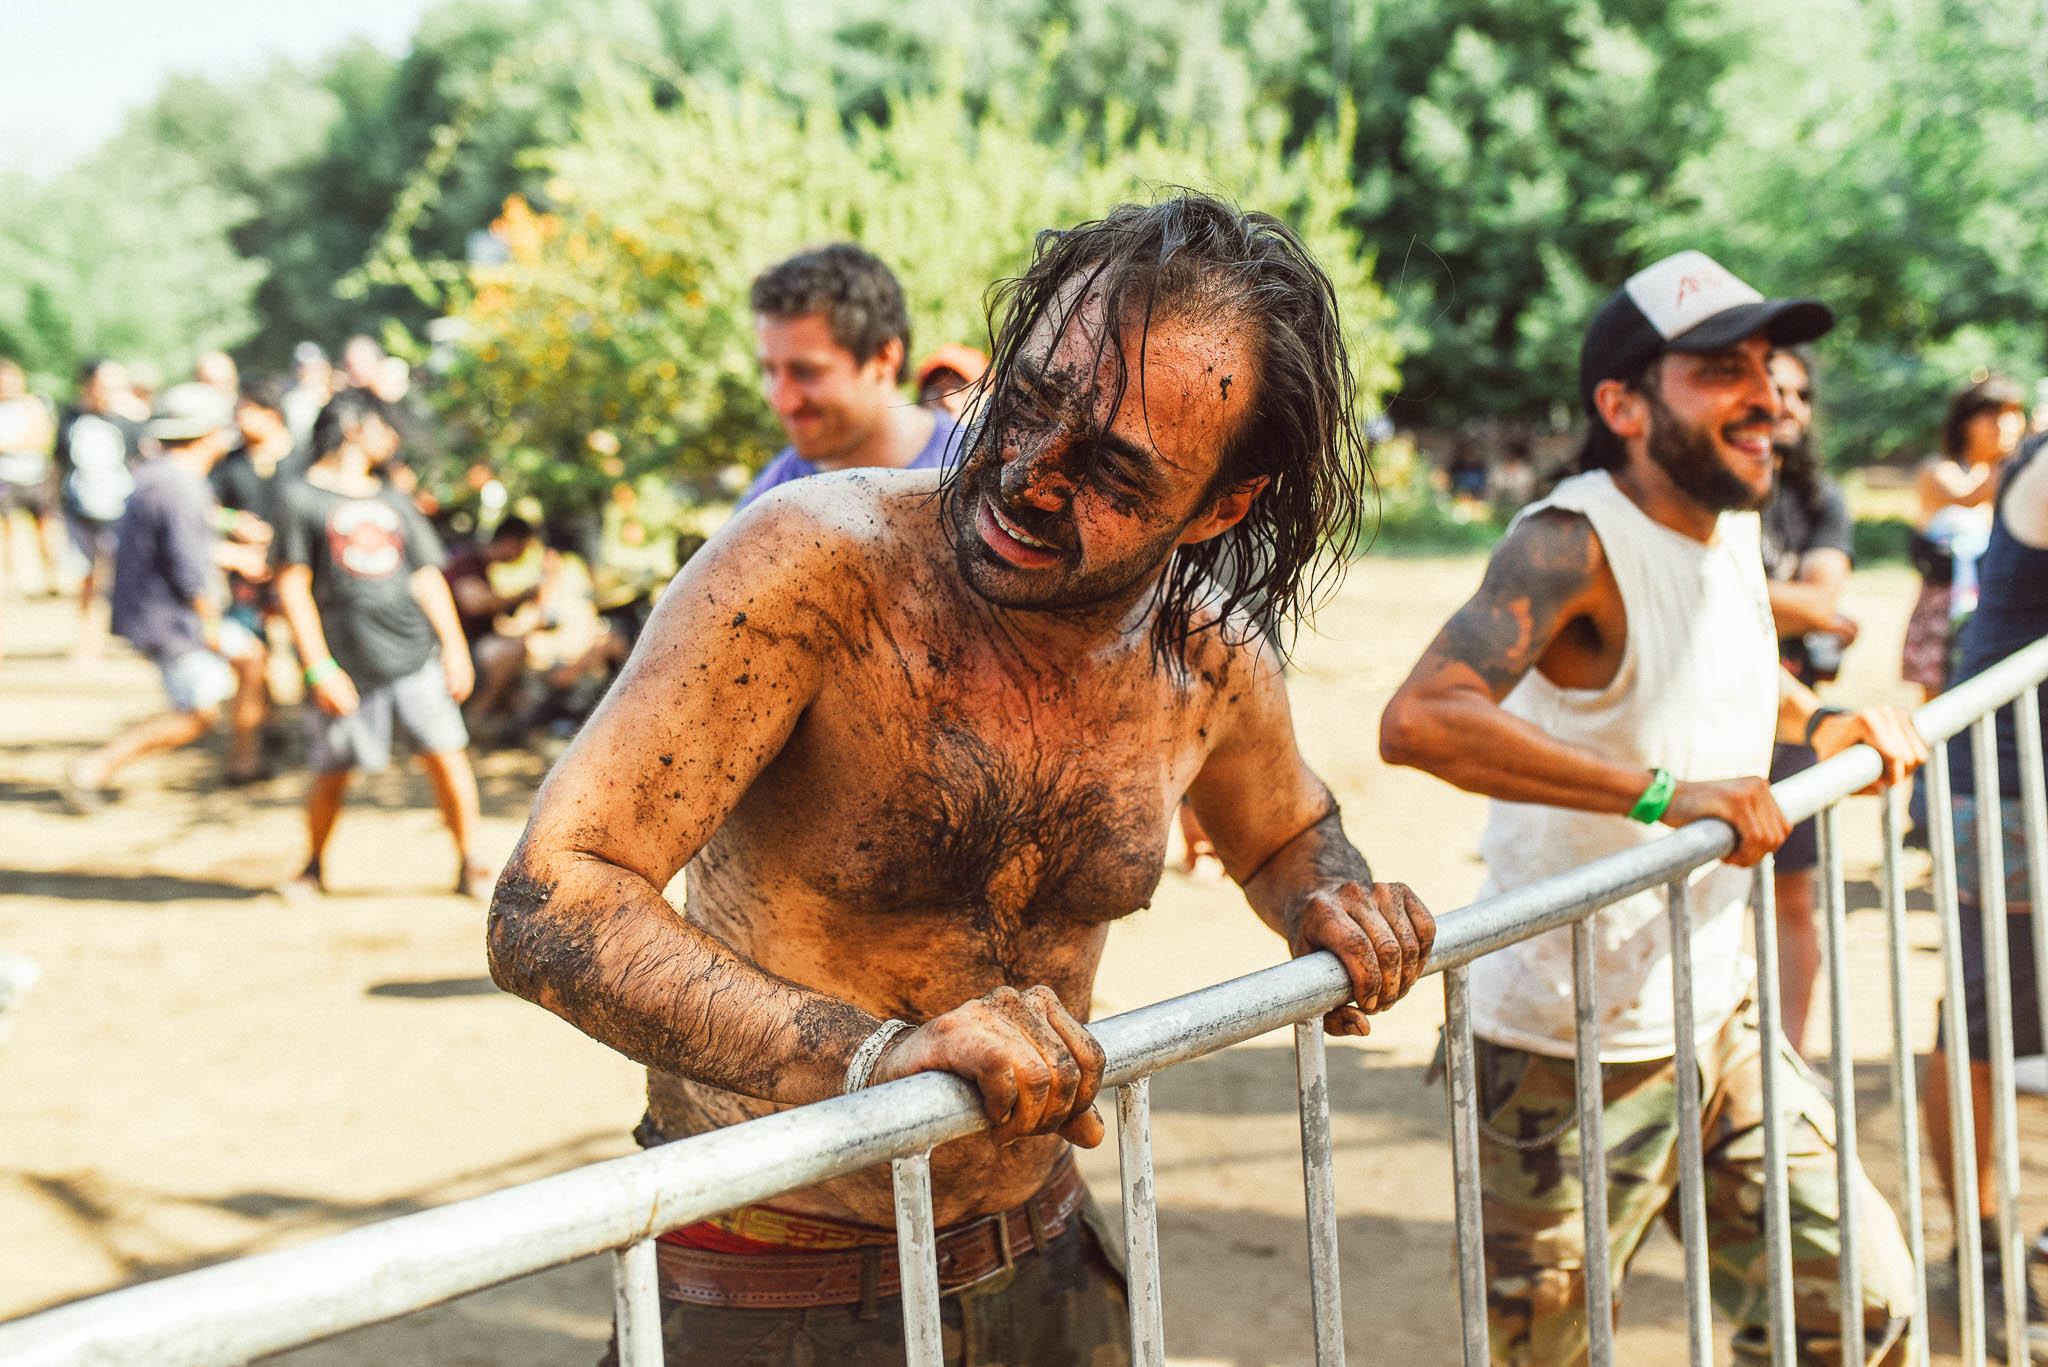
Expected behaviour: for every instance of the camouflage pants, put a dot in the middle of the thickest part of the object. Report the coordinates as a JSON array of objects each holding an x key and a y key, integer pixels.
[
  {"x": 1529, "y": 1157},
  {"x": 1063, "y": 1306}
]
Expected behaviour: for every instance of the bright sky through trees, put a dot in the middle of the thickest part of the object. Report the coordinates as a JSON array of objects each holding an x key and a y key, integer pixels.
[{"x": 72, "y": 70}]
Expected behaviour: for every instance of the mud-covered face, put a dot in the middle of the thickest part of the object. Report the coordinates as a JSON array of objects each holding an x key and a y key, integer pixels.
[{"x": 1072, "y": 495}]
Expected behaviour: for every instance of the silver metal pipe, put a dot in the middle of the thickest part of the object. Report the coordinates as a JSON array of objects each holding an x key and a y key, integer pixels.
[
  {"x": 2026, "y": 718},
  {"x": 1692, "y": 1176},
  {"x": 1905, "y": 1086},
  {"x": 1141, "y": 1223},
  {"x": 1592, "y": 1100},
  {"x": 1843, "y": 1061},
  {"x": 917, "y": 1261},
  {"x": 1465, "y": 1180},
  {"x": 1777, "y": 1196},
  {"x": 1941, "y": 843},
  {"x": 2005, "y": 1142},
  {"x": 636, "y": 1305},
  {"x": 1319, "y": 1190}
]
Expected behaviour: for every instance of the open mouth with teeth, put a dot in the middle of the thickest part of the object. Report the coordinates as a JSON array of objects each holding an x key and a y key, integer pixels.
[{"x": 1011, "y": 542}]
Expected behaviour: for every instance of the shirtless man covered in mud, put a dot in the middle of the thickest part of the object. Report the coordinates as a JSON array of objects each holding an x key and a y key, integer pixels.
[{"x": 919, "y": 737}]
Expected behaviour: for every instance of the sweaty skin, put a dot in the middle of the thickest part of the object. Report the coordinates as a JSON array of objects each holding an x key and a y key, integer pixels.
[{"x": 898, "y": 798}]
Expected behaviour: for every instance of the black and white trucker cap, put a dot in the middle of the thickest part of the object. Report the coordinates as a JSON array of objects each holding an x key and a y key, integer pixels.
[{"x": 1687, "y": 302}]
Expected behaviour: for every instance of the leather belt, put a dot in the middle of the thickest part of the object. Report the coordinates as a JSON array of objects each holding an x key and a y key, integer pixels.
[{"x": 969, "y": 1253}]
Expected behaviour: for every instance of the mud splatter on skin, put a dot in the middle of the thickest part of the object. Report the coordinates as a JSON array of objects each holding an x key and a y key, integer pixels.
[{"x": 1224, "y": 387}]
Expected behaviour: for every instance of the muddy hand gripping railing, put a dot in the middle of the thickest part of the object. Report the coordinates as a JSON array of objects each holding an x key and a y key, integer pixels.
[{"x": 260, "y": 1304}]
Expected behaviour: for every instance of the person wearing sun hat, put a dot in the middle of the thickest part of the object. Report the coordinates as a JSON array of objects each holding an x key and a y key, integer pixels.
[{"x": 1618, "y": 671}]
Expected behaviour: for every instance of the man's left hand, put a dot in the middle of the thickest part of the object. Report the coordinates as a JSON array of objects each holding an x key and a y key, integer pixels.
[
  {"x": 1381, "y": 933},
  {"x": 1887, "y": 730}
]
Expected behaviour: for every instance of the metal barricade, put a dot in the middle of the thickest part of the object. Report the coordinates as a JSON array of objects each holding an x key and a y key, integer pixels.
[{"x": 272, "y": 1301}]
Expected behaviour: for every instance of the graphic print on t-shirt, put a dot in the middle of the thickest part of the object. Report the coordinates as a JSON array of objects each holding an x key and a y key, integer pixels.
[{"x": 365, "y": 538}]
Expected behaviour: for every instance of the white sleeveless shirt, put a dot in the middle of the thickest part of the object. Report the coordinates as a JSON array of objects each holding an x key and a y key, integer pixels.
[{"x": 1696, "y": 693}]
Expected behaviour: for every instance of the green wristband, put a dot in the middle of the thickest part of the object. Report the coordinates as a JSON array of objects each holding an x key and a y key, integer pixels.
[
  {"x": 1650, "y": 806},
  {"x": 320, "y": 673}
]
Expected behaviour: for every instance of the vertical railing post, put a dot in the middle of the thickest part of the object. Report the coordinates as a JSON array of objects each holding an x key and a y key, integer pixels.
[
  {"x": 1842, "y": 1058},
  {"x": 1941, "y": 843},
  {"x": 1905, "y": 1087},
  {"x": 1777, "y": 1198},
  {"x": 1141, "y": 1223},
  {"x": 1692, "y": 1186},
  {"x": 2005, "y": 1150},
  {"x": 1592, "y": 1100},
  {"x": 2026, "y": 720},
  {"x": 917, "y": 1261},
  {"x": 636, "y": 1305},
  {"x": 1319, "y": 1190},
  {"x": 1465, "y": 1180}
]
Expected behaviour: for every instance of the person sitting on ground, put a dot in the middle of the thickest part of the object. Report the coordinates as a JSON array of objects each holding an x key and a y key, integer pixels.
[
  {"x": 168, "y": 596},
  {"x": 918, "y": 737},
  {"x": 359, "y": 580},
  {"x": 947, "y": 379},
  {"x": 498, "y": 654},
  {"x": 833, "y": 338}
]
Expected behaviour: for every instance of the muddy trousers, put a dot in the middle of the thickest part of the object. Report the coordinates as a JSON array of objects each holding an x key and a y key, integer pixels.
[
  {"x": 1529, "y": 1159},
  {"x": 1063, "y": 1307}
]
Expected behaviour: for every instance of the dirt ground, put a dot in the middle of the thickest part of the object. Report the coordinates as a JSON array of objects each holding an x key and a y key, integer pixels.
[{"x": 205, "y": 1071}]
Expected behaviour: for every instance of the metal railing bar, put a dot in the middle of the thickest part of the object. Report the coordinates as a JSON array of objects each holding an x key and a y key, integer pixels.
[
  {"x": 1692, "y": 1177},
  {"x": 1842, "y": 1062},
  {"x": 379, "y": 1272},
  {"x": 1777, "y": 1198},
  {"x": 636, "y": 1305},
  {"x": 1467, "y": 1190},
  {"x": 2026, "y": 718},
  {"x": 1319, "y": 1191},
  {"x": 1141, "y": 1223},
  {"x": 1941, "y": 843},
  {"x": 917, "y": 1260},
  {"x": 1592, "y": 1099},
  {"x": 1905, "y": 1087},
  {"x": 2005, "y": 1154}
]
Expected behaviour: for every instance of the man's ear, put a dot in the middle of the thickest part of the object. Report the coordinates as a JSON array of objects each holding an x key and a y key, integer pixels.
[
  {"x": 888, "y": 360},
  {"x": 1226, "y": 512},
  {"x": 1625, "y": 411}
]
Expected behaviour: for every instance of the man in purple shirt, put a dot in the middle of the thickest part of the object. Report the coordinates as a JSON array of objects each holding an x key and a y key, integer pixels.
[
  {"x": 168, "y": 591},
  {"x": 833, "y": 339}
]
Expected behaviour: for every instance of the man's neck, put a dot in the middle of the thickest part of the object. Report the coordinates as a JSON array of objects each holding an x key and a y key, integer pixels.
[
  {"x": 345, "y": 472},
  {"x": 1651, "y": 490},
  {"x": 893, "y": 443}
]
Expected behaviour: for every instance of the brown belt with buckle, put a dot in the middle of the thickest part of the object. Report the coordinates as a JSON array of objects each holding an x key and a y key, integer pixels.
[{"x": 969, "y": 1253}]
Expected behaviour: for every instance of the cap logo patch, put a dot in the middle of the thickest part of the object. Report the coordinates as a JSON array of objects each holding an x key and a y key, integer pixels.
[{"x": 1682, "y": 291}]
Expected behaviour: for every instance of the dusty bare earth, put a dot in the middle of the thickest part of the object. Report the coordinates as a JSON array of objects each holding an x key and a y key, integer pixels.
[{"x": 206, "y": 1072}]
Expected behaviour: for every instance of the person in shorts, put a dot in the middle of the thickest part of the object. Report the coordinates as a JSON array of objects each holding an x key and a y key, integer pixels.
[
  {"x": 168, "y": 593},
  {"x": 2012, "y": 611},
  {"x": 358, "y": 573}
]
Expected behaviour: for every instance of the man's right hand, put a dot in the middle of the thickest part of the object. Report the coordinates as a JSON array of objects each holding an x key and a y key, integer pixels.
[
  {"x": 336, "y": 695},
  {"x": 1744, "y": 803},
  {"x": 1036, "y": 1067}
]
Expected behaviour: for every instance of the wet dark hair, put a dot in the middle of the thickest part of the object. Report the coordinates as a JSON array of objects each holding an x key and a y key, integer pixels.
[
  {"x": 1988, "y": 395},
  {"x": 859, "y": 296},
  {"x": 343, "y": 417},
  {"x": 1602, "y": 450},
  {"x": 1194, "y": 256}
]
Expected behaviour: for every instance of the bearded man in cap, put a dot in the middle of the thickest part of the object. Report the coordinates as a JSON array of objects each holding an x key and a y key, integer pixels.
[
  {"x": 168, "y": 591},
  {"x": 1618, "y": 668}
]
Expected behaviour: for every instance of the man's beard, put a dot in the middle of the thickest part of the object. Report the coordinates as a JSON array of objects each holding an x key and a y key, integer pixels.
[{"x": 1688, "y": 456}]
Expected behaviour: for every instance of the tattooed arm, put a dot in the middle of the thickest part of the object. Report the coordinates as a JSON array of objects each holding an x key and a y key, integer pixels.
[
  {"x": 1278, "y": 833},
  {"x": 1548, "y": 601}
]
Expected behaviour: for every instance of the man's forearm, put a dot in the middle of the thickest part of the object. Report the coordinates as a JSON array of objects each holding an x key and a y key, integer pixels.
[
  {"x": 295, "y": 600},
  {"x": 600, "y": 947},
  {"x": 1320, "y": 857},
  {"x": 1470, "y": 741},
  {"x": 430, "y": 590}
]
